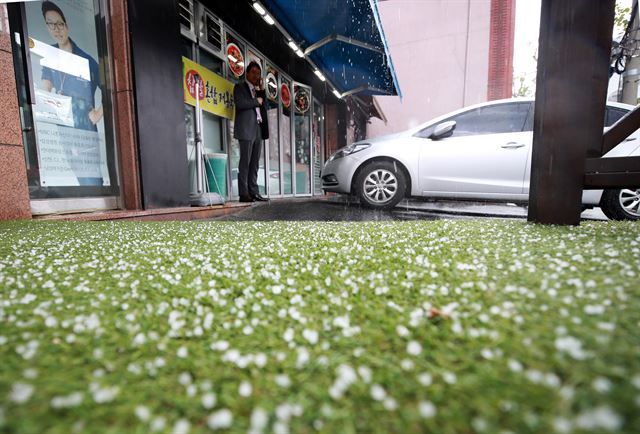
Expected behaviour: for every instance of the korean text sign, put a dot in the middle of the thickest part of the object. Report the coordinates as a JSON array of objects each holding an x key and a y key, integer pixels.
[{"x": 216, "y": 93}]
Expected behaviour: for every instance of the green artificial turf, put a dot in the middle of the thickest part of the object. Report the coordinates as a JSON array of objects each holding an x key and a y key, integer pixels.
[{"x": 445, "y": 327}]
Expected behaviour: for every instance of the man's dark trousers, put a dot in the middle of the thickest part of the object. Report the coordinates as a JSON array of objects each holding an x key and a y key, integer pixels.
[{"x": 250, "y": 152}]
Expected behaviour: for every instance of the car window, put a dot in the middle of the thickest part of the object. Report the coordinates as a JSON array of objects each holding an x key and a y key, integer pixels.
[
  {"x": 613, "y": 115},
  {"x": 494, "y": 119}
]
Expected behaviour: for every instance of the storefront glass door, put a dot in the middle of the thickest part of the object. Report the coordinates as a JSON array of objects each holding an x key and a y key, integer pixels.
[
  {"x": 273, "y": 99},
  {"x": 66, "y": 107},
  {"x": 302, "y": 138},
  {"x": 285, "y": 135},
  {"x": 318, "y": 145}
]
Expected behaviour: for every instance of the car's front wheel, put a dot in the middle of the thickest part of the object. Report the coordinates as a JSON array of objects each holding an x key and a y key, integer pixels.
[
  {"x": 381, "y": 185},
  {"x": 621, "y": 204}
]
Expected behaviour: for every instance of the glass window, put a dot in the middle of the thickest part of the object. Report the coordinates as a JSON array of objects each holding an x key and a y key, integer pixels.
[
  {"x": 613, "y": 115},
  {"x": 271, "y": 87},
  {"x": 211, "y": 62},
  {"x": 234, "y": 53},
  {"x": 187, "y": 48},
  {"x": 285, "y": 135},
  {"x": 318, "y": 145},
  {"x": 302, "y": 128},
  {"x": 73, "y": 141},
  {"x": 502, "y": 118}
]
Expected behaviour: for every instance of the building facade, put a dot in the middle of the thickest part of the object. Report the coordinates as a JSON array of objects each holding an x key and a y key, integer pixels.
[
  {"x": 448, "y": 55},
  {"x": 99, "y": 108}
]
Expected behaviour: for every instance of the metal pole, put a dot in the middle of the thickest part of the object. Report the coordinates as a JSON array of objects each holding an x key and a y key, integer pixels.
[{"x": 198, "y": 140}]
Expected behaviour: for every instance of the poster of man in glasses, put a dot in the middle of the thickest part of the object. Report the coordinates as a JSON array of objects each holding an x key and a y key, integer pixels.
[{"x": 68, "y": 112}]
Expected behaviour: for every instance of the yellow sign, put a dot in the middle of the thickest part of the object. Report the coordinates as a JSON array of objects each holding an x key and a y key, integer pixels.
[{"x": 216, "y": 93}]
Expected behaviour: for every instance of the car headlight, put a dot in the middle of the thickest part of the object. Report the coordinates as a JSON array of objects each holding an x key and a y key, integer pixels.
[{"x": 348, "y": 150}]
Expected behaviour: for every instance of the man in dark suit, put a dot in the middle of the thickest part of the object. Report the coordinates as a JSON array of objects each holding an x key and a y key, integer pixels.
[{"x": 250, "y": 128}]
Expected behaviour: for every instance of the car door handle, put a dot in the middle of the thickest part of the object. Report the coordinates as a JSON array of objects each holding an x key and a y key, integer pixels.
[
  {"x": 629, "y": 139},
  {"x": 512, "y": 145}
]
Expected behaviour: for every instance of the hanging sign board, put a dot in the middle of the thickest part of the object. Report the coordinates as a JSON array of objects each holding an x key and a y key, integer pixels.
[{"x": 216, "y": 93}]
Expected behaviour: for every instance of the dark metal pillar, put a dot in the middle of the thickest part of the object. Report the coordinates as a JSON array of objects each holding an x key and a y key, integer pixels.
[{"x": 571, "y": 89}]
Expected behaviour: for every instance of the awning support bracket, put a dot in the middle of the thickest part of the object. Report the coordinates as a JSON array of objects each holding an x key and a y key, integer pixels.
[{"x": 335, "y": 37}]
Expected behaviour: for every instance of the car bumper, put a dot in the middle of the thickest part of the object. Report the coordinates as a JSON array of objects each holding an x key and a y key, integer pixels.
[{"x": 337, "y": 174}]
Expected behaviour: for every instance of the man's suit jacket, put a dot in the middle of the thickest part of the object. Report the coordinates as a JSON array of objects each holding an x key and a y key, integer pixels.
[{"x": 245, "y": 124}]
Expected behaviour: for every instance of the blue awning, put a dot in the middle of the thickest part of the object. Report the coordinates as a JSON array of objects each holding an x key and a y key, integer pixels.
[{"x": 344, "y": 39}]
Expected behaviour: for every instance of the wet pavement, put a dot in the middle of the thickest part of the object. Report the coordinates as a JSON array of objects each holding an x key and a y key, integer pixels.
[
  {"x": 326, "y": 209},
  {"x": 340, "y": 208}
]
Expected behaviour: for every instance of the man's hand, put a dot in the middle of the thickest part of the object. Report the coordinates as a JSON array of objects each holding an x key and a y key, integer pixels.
[{"x": 260, "y": 100}]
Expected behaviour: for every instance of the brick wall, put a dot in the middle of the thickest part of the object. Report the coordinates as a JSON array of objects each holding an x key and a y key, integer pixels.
[
  {"x": 503, "y": 22},
  {"x": 14, "y": 192}
]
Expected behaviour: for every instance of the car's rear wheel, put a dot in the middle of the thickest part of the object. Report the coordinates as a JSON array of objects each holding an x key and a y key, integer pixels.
[
  {"x": 621, "y": 204},
  {"x": 381, "y": 185}
]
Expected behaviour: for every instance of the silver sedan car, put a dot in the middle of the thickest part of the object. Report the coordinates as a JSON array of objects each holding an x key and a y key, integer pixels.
[{"x": 481, "y": 152}]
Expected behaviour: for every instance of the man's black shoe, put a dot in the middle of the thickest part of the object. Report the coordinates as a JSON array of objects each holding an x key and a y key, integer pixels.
[
  {"x": 246, "y": 199},
  {"x": 259, "y": 198}
]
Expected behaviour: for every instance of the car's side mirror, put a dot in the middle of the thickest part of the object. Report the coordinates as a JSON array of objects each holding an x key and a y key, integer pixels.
[{"x": 443, "y": 130}]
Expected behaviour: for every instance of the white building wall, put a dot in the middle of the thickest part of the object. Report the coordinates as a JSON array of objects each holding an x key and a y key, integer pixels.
[{"x": 440, "y": 50}]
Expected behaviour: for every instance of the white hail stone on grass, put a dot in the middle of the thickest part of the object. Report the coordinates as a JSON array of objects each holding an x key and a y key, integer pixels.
[
  {"x": 303, "y": 357},
  {"x": 288, "y": 335},
  {"x": 600, "y": 418},
  {"x": 220, "y": 419},
  {"x": 414, "y": 348},
  {"x": 181, "y": 426},
  {"x": 259, "y": 420},
  {"x": 184, "y": 378},
  {"x": 407, "y": 364},
  {"x": 245, "y": 389},
  {"x": 143, "y": 413},
  {"x": 30, "y": 373},
  {"x": 602, "y": 385},
  {"x": 402, "y": 331},
  {"x": 103, "y": 394},
  {"x": 21, "y": 392},
  {"x": 426, "y": 409},
  {"x": 182, "y": 352},
  {"x": 72, "y": 400},
  {"x": 311, "y": 336},
  {"x": 449, "y": 377},
  {"x": 572, "y": 346},
  {"x": 636, "y": 381},
  {"x": 562, "y": 425},
  {"x": 280, "y": 427},
  {"x": 220, "y": 346},
  {"x": 597, "y": 309},
  {"x": 390, "y": 404},
  {"x": 158, "y": 423},
  {"x": 377, "y": 392},
  {"x": 425, "y": 379},
  {"x": 139, "y": 340},
  {"x": 365, "y": 373},
  {"x": 514, "y": 365},
  {"x": 283, "y": 380}
]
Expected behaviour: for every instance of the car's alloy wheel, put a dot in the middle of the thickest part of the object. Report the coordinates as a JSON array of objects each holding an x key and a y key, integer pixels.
[
  {"x": 381, "y": 185},
  {"x": 630, "y": 201},
  {"x": 621, "y": 204}
]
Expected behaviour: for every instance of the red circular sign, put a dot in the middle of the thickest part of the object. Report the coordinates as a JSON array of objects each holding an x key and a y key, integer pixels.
[
  {"x": 190, "y": 81},
  {"x": 235, "y": 60},
  {"x": 285, "y": 94}
]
